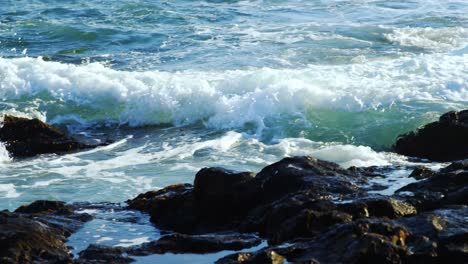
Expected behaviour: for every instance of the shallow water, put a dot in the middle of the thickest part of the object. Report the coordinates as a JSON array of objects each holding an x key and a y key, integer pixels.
[{"x": 181, "y": 85}]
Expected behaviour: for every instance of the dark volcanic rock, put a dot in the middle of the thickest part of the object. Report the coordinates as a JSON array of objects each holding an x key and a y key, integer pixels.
[
  {"x": 444, "y": 140},
  {"x": 56, "y": 214},
  {"x": 302, "y": 214},
  {"x": 179, "y": 243},
  {"x": 449, "y": 186},
  {"x": 24, "y": 240},
  {"x": 221, "y": 199},
  {"x": 44, "y": 206},
  {"x": 96, "y": 254},
  {"x": 439, "y": 236},
  {"x": 421, "y": 172},
  {"x": 362, "y": 241},
  {"x": 171, "y": 208},
  {"x": 28, "y": 137},
  {"x": 300, "y": 173},
  {"x": 378, "y": 207},
  {"x": 261, "y": 257}
]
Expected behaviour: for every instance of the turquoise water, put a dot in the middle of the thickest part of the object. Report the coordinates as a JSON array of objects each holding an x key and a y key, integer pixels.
[{"x": 180, "y": 85}]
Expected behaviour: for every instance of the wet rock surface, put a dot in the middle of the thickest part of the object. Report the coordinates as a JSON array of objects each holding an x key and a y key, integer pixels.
[
  {"x": 316, "y": 207},
  {"x": 198, "y": 209},
  {"x": 29, "y": 137},
  {"x": 448, "y": 186},
  {"x": 96, "y": 254},
  {"x": 36, "y": 233},
  {"x": 443, "y": 140},
  {"x": 180, "y": 243}
]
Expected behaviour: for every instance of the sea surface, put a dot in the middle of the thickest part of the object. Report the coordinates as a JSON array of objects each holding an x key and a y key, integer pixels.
[{"x": 183, "y": 84}]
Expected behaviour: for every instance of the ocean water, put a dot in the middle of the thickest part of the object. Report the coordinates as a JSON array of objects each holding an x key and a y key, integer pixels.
[{"x": 180, "y": 85}]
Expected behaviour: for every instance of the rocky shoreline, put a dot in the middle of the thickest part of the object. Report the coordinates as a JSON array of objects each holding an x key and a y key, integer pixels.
[{"x": 308, "y": 210}]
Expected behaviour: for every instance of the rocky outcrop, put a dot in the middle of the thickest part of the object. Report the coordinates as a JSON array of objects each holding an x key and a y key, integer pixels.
[
  {"x": 23, "y": 240},
  {"x": 443, "y": 140},
  {"x": 447, "y": 187},
  {"x": 36, "y": 233},
  {"x": 317, "y": 208},
  {"x": 96, "y": 254},
  {"x": 29, "y": 137},
  {"x": 220, "y": 200}
]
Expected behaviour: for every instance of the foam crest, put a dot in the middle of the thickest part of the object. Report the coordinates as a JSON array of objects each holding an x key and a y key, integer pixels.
[
  {"x": 4, "y": 155},
  {"x": 344, "y": 154},
  {"x": 430, "y": 38},
  {"x": 94, "y": 93},
  {"x": 8, "y": 191}
]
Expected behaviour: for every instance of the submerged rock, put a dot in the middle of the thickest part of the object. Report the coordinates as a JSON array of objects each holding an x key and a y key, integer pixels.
[
  {"x": 29, "y": 137},
  {"x": 443, "y": 140}
]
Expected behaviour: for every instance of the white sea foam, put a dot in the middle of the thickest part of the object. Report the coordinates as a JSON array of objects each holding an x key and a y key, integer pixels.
[
  {"x": 227, "y": 99},
  {"x": 8, "y": 190},
  {"x": 4, "y": 155},
  {"x": 430, "y": 38}
]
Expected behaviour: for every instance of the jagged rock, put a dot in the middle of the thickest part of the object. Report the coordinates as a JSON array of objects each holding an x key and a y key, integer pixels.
[
  {"x": 421, "y": 172},
  {"x": 439, "y": 236},
  {"x": 221, "y": 199},
  {"x": 301, "y": 214},
  {"x": 300, "y": 173},
  {"x": 23, "y": 240},
  {"x": 170, "y": 208},
  {"x": 362, "y": 241},
  {"x": 56, "y": 214},
  {"x": 179, "y": 243},
  {"x": 261, "y": 257},
  {"x": 378, "y": 207},
  {"x": 44, "y": 206},
  {"x": 443, "y": 140},
  {"x": 29, "y": 137},
  {"x": 449, "y": 186},
  {"x": 96, "y": 254}
]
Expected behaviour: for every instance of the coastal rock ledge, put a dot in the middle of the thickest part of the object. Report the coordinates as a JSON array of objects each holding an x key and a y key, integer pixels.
[
  {"x": 313, "y": 211},
  {"x": 443, "y": 140}
]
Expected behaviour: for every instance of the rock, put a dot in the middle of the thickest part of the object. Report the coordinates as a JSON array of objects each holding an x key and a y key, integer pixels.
[
  {"x": 300, "y": 173},
  {"x": 261, "y": 257},
  {"x": 449, "y": 186},
  {"x": 199, "y": 244},
  {"x": 24, "y": 240},
  {"x": 44, "y": 206},
  {"x": 29, "y": 137},
  {"x": 443, "y": 140},
  {"x": 421, "y": 172},
  {"x": 219, "y": 183},
  {"x": 362, "y": 241},
  {"x": 96, "y": 254},
  {"x": 378, "y": 207},
  {"x": 172, "y": 208},
  {"x": 221, "y": 199},
  {"x": 56, "y": 214},
  {"x": 439, "y": 236},
  {"x": 301, "y": 214}
]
